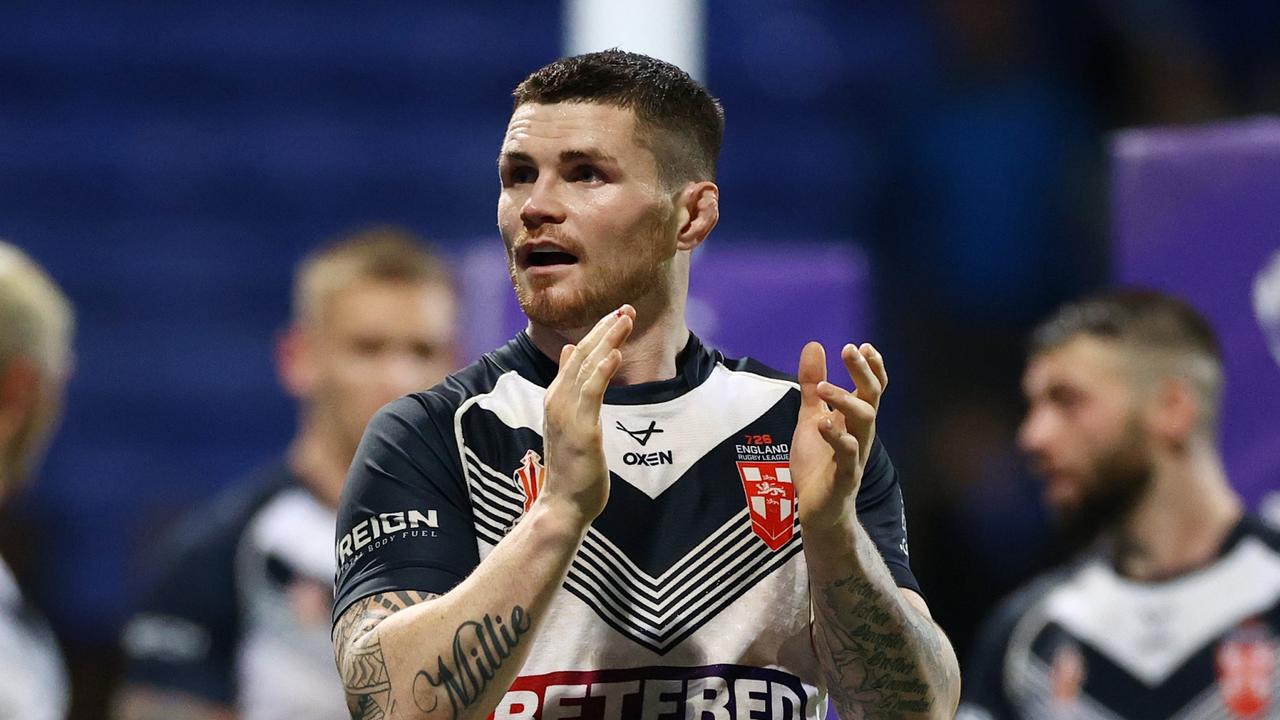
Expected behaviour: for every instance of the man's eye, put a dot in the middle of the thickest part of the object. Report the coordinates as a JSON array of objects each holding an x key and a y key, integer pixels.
[
  {"x": 585, "y": 173},
  {"x": 521, "y": 175},
  {"x": 368, "y": 346}
]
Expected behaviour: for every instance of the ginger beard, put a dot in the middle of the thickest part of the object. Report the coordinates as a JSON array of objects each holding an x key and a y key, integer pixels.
[{"x": 642, "y": 270}]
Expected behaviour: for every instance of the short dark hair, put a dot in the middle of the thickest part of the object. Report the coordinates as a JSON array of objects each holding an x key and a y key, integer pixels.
[
  {"x": 676, "y": 117},
  {"x": 1167, "y": 334}
]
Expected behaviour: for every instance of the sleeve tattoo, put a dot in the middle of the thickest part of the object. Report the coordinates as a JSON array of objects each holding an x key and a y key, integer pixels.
[
  {"x": 358, "y": 652},
  {"x": 462, "y": 675},
  {"x": 877, "y": 660}
]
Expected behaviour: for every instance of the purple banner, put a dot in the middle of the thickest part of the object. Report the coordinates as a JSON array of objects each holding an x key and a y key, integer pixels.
[
  {"x": 1196, "y": 212},
  {"x": 760, "y": 300}
]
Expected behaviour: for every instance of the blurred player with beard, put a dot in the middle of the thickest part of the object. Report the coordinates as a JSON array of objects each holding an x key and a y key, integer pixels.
[
  {"x": 36, "y": 324},
  {"x": 1174, "y": 607},
  {"x": 602, "y": 519},
  {"x": 238, "y": 624}
]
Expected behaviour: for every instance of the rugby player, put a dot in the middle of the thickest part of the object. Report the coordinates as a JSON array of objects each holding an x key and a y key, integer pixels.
[
  {"x": 238, "y": 624},
  {"x": 36, "y": 324},
  {"x": 603, "y": 518},
  {"x": 1173, "y": 609}
]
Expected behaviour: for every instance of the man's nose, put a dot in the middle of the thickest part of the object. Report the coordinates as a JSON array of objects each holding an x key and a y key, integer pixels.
[
  {"x": 543, "y": 205},
  {"x": 1034, "y": 431}
]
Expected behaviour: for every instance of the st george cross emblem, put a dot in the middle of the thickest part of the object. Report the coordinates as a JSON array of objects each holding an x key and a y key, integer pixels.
[
  {"x": 530, "y": 476},
  {"x": 1246, "y": 667},
  {"x": 771, "y": 498}
]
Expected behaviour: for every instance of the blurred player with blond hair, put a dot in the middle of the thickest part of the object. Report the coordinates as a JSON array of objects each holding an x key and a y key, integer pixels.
[
  {"x": 36, "y": 324},
  {"x": 238, "y": 624}
]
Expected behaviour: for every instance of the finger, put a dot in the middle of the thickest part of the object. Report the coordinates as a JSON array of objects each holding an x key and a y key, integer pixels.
[
  {"x": 865, "y": 382},
  {"x": 587, "y": 344},
  {"x": 846, "y": 447},
  {"x": 876, "y": 361},
  {"x": 858, "y": 415},
  {"x": 812, "y": 370},
  {"x": 591, "y": 394},
  {"x": 613, "y": 339},
  {"x": 565, "y": 353}
]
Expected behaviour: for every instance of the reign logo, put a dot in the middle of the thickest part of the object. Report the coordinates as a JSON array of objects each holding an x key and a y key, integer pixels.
[{"x": 377, "y": 526}]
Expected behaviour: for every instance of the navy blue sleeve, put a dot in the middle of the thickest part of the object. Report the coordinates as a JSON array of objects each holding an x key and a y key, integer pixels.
[
  {"x": 983, "y": 695},
  {"x": 881, "y": 513},
  {"x": 404, "y": 522},
  {"x": 184, "y": 637}
]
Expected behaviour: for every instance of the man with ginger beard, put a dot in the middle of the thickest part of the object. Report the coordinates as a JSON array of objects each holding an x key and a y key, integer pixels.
[
  {"x": 1173, "y": 610},
  {"x": 238, "y": 623},
  {"x": 36, "y": 324},
  {"x": 603, "y": 518}
]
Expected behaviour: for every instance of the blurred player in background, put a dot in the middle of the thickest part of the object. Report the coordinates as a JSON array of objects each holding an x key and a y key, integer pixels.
[
  {"x": 238, "y": 625},
  {"x": 1174, "y": 609},
  {"x": 528, "y": 541},
  {"x": 36, "y": 324},
  {"x": 1266, "y": 308}
]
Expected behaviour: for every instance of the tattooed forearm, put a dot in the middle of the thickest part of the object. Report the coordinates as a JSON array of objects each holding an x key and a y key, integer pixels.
[
  {"x": 881, "y": 657},
  {"x": 358, "y": 651},
  {"x": 479, "y": 648}
]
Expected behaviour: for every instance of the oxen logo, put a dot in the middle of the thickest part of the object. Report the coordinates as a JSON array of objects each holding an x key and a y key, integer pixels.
[
  {"x": 530, "y": 476},
  {"x": 1246, "y": 664},
  {"x": 771, "y": 498}
]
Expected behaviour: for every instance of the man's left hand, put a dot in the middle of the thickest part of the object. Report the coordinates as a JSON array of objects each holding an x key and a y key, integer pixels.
[{"x": 834, "y": 433}]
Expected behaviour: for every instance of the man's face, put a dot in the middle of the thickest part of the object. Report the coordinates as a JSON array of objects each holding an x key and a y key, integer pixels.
[
  {"x": 27, "y": 447},
  {"x": 1085, "y": 436},
  {"x": 586, "y": 223},
  {"x": 375, "y": 341}
]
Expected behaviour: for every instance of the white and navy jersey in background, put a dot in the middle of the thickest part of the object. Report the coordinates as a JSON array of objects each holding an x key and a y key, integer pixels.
[
  {"x": 1087, "y": 644},
  {"x": 689, "y": 591},
  {"x": 33, "y": 679},
  {"x": 239, "y": 616}
]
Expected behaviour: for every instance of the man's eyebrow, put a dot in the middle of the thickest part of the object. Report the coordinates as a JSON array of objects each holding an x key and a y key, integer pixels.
[
  {"x": 592, "y": 154},
  {"x": 513, "y": 157},
  {"x": 567, "y": 156}
]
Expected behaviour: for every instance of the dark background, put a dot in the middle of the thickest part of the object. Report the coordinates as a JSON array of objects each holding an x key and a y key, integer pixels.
[{"x": 169, "y": 163}]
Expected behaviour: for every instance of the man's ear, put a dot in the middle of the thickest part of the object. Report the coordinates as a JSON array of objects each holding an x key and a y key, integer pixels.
[
  {"x": 698, "y": 212},
  {"x": 295, "y": 362},
  {"x": 1175, "y": 411},
  {"x": 19, "y": 393}
]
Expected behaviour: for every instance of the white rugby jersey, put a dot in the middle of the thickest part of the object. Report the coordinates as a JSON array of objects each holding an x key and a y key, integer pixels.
[
  {"x": 236, "y": 615},
  {"x": 33, "y": 679},
  {"x": 1088, "y": 644},
  {"x": 688, "y": 597}
]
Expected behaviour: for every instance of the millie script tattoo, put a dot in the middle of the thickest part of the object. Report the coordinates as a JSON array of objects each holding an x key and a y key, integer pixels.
[
  {"x": 480, "y": 647},
  {"x": 358, "y": 651}
]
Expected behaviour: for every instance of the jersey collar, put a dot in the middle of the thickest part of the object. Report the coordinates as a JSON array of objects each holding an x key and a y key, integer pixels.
[{"x": 695, "y": 363}]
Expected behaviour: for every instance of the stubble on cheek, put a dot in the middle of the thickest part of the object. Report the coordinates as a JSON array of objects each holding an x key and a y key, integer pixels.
[{"x": 598, "y": 289}]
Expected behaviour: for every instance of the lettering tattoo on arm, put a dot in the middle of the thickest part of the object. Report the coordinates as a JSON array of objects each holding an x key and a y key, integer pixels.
[
  {"x": 358, "y": 651},
  {"x": 479, "y": 648},
  {"x": 881, "y": 660}
]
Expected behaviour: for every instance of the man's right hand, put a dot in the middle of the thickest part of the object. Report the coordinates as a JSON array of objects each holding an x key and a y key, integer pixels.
[{"x": 577, "y": 480}]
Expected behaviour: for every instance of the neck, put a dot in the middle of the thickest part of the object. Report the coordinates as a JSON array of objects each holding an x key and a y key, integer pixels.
[
  {"x": 649, "y": 355},
  {"x": 314, "y": 456},
  {"x": 1185, "y": 517}
]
